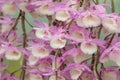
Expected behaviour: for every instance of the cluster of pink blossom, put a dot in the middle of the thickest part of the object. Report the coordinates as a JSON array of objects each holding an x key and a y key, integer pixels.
[{"x": 78, "y": 39}]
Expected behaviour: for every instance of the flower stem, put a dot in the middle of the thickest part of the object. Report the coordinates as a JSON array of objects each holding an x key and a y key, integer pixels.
[
  {"x": 56, "y": 68},
  {"x": 14, "y": 25},
  {"x": 22, "y": 77},
  {"x": 95, "y": 60},
  {"x": 113, "y": 6}
]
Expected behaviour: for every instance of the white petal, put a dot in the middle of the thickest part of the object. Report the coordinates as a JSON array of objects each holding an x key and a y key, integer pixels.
[
  {"x": 13, "y": 55},
  {"x": 110, "y": 25},
  {"x": 44, "y": 10},
  {"x": 79, "y": 22},
  {"x": 57, "y": 42},
  {"x": 75, "y": 73},
  {"x": 77, "y": 35},
  {"x": 40, "y": 52},
  {"x": 109, "y": 76},
  {"x": 73, "y": 4},
  {"x": 88, "y": 48},
  {"x": 23, "y": 5},
  {"x": 115, "y": 56},
  {"x": 32, "y": 60},
  {"x": 105, "y": 59},
  {"x": 44, "y": 65},
  {"x": 34, "y": 14},
  {"x": 91, "y": 20},
  {"x": 54, "y": 78},
  {"x": 69, "y": 59},
  {"x": 35, "y": 77},
  {"x": 9, "y": 9},
  {"x": 41, "y": 33},
  {"x": 87, "y": 76},
  {"x": 5, "y": 28},
  {"x": 62, "y": 15},
  {"x": 80, "y": 57},
  {"x": 2, "y": 51}
]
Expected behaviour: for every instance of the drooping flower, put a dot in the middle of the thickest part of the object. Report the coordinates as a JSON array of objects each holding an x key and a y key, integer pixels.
[
  {"x": 110, "y": 24},
  {"x": 115, "y": 56},
  {"x": 58, "y": 41},
  {"x": 75, "y": 70},
  {"x": 91, "y": 20},
  {"x": 44, "y": 65},
  {"x": 23, "y": 6},
  {"x": 77, "y": 34},
  {"x": 109, "y": 74},
  {"x": 112, "y": 53},
  {"x": 62, "y": 15},
  {"x": 87, "y": 75},
  {"x": 74, "y": 55},
  {"x": 44, "y": 10},
  {"x": 39, "y": 51},
  {"x": 88, "y": 47},
  {"x": 9, "y": 9},
  {"x": 88, "y": 19},
  {"x": 62, "y": 11},
  {"x": 35, "y": 77},
  {"x": 43, "y": 31},
  {"x": 53, "y": 77},
  {"x": 32, "y": 60},
  {"x": 13, "y": 54}
]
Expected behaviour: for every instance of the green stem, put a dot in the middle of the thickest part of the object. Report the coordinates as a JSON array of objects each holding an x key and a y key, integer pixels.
[
  {"x": 56, "y": 68},
  {"x": 22, "y": 77},
  {"x": 110, "y": 41},
  {"x": 97, "y": 2},
  {"x": 96, "y": 56},
  {"x": 14, "y": 25},
  {"x": 105, "y": 1},
  {"x": 113, "y": 6}
]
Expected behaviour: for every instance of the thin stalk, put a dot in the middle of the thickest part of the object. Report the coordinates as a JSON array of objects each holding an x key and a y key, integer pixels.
[
  {"x": 113, "y": 5},
  {"x": 81, "y": 2},
  {"x": 56, "y": 69},
  {"x": 29, "y": 23},
  {"x": 15, "y": 71},
  {"x": 1, "y": 14},
  {"x": 14, "y": 25},
  {"x": 105, "y": 1},
  {"x": 96, "y": 56},
  {"x": 50, "y": 20},
  {"x": 22, "y": 77},
  {"x": 110, "y": 41},
  {"x": 97, "y": 1}
]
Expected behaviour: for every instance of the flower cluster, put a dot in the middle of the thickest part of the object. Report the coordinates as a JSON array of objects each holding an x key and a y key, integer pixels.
[{"x": 77, "y": 40}]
